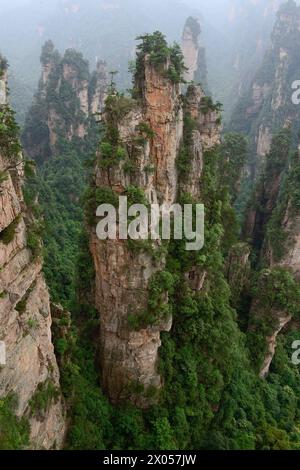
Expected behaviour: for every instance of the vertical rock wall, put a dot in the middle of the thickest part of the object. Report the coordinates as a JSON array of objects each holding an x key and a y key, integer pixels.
[
  {"x": 129, "y": 355},
  {"x": 25, "y": 317}
]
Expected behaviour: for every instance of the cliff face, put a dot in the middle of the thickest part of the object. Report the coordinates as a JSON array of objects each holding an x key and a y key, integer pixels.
[
  {"x": 98, "y": 88},
  {"x": 194, "y": 53},
  {"x": 252, "y": 24},
  {"x": 273, "y": 224},
  {"x": 267, "y": 105},
  {"x": 25, "y": 317},
  {"x": 271, "y": 119},
  {"x": 68, "y": 96},
  {"x": 287, "y": 255},
  {"x": 3, "y": 81},
  {"x": 282, "y": 320},
  {"x": 150, "y": 132}
]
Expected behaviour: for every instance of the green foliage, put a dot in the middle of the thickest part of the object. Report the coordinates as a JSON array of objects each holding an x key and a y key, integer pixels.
[
  {"x": 21, "y": 306},
  {"x": 32, "y": 323},
  {"x": 60, "y": 184},
  {"x": 177, "y": 68},
  {"x": 75, "y": 60},
  {"x": 61, "y": 346},
  {"x": 8, "y": 234},
  {"x": 269, "y": 198},
  {"x": 275, "y": 292},
  {"x": 87, "y": 405},
  {"x": 155, "y": 48},
  {"x": 233, "y": 155},
  {"x": 277, "y": 289},
  {"x": 45, "y": 394},
  {"x": 278, "y": 156},
  {"x": 3, "y": 177},
  {"x": 116, "y": 107},
  {"x": 47, "y": 52},
  {"x": 34, "y": 234},
  {"x": 14, "y": 432},
  {"x": 135, "y": 195},
  {"x": 161, "y": 286},
  {"x": 128, "y": 167},
  {"x": 207, "y": 105},
  {"x": 112, "y": 152},
  {"x": 164, "y": 438},
  {"x": 59, "y": 96},
  {"x": 110, "y": 156},
  {"x": 94, "y": 197},
  {"x": 276, "y": 234},
  {"x": 184, "y": 155},
  {"x": 212, "y": 397},
  {"x": 146, "y": 130},
  {"x": 9, "y": 134}
]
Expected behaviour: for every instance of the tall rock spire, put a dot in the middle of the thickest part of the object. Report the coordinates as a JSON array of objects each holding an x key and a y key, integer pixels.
[
  {"x": 194, "y": 53},
  {"x": 138, "y": 158},
  {"x": 3, "y": 81},
  {"x": 68, "y": 96},
  {"x": 30, "y": 369}
]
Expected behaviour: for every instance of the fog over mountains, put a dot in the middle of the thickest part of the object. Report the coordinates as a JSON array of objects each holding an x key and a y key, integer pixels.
[{"x": 235, "y": 34}]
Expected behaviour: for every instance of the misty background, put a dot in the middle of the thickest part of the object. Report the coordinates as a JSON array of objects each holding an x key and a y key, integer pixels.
[{"x": 235, "y": 34}]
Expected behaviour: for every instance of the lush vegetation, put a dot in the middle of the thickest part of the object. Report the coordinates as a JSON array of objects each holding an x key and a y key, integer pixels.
[
  {"x": 166, "y": 59},
  {"x": 9, "y": 132},
  {"x": 63, "y": 170},
  {"x": 218, "y": 403},
  {"x": 14, "y": 432},
  {"x": 212, "y": 397},
  {"x": 44, "y": 395}
]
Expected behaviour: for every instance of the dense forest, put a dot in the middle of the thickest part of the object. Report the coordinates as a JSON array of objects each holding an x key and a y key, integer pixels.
[{"x": 157, "y": 347}]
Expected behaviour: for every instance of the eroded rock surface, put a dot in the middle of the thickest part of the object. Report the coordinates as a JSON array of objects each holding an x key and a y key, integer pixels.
[
  {"x": 25, "y": 320},
  {"x": 151, "y": 131}
]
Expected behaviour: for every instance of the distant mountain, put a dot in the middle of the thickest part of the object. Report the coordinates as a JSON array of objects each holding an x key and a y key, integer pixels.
[
  {"x": 235, "y": 34},
  {"x": 246, "y": 27},
  {"x": 267, "y": 105},
  {"x": 103, "y": 29}
]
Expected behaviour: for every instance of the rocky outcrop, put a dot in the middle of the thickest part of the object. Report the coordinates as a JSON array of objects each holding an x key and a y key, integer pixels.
[
  {"x": 129, "y": 357},
  {"x": 263, "y": 142},
  {"x": 98, "y": 88},
  {"x": 194, "y": 53},
  {"x": 3, "y": 81},
  {"x": 274, "y": 224},
  {"x": 237, "y": 270},
  {"x": 67, "y": 98},
  {"x": 271, "y": 341},
  {"x": 267, "y": 189},
  {"x": 205, "y": 135},
  {"x": 150, "y": 133},
  {"x": 291, "y": 256},
  {"x": 289, "y": 226},
  {"x": 266, "y": 319},
  {"x": 25, "y": 319}
]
